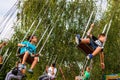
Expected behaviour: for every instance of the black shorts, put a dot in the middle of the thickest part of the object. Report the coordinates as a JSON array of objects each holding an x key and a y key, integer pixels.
[{"x": 93, "y": 44}]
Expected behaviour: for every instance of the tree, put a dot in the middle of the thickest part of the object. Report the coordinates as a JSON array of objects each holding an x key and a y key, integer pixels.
[{"x": 68, "y": 18}]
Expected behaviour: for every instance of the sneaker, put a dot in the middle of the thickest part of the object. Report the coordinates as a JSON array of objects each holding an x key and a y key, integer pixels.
[
  {"x": 77, "y": 39},
  {"x": 30, "y": 71},
  {"x": 89, "y": 56}
]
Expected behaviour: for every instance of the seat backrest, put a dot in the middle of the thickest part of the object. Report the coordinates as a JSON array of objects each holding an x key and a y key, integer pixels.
[
  {"x": 29, "y": 59},
  {"x": 86, "y": 48}
]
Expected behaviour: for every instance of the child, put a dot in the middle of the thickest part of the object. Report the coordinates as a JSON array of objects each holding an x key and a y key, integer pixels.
[
  {"x": 17, "y": 72},
  {"x": 86, "y": 75},
  {"x": 51, "y": 72},
  {"x": 96, "y": 43},
  {"x": 29, "y": 48}
]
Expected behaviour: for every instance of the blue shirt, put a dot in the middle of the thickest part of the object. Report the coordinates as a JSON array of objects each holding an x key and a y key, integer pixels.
[{"x": 31, "y": 48}]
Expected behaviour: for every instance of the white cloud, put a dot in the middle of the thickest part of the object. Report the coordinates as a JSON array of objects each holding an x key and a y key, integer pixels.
[
  {"x": 101, "y": 8},
  {"x": 5, "y": 5}
]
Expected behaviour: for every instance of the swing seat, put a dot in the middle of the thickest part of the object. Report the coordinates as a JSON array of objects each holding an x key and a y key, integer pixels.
[
  {"x": 86, "y": 48},
  {"x": 29, "y": 59}
]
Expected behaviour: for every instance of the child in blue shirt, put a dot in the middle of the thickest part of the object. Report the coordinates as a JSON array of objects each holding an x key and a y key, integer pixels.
[{"x": 28, "y": 48}]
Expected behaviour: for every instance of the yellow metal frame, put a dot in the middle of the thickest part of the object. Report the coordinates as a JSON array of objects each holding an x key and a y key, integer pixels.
[{"x": 112, "y": 77}]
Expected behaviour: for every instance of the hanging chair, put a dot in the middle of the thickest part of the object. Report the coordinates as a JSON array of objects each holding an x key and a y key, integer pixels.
[
  {"x": 29, "y": 59},
  {"x": 86, "y": 48}
]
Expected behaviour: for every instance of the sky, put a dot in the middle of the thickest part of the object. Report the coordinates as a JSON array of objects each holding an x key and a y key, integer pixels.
[
  {"x": 102, "y": 7},
  {"x": 5, "y": 5}
]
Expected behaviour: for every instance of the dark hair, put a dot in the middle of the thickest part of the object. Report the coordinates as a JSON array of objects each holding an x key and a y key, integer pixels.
[
  {"x": 53, "y": 64},
  {"x": 30, "y": 37},
  {"x": 102, "y": 34},
  {"x": 88, "y": 67}
]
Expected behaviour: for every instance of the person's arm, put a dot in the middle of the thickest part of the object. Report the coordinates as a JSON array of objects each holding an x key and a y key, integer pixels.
[
  {"x": 90, "y": 29},
  {"x": 21, "y": 45},
  {"x": 102, "y": 60},
  {"x": 2, "y": 44},
  {"x": 46, "y": 69}
]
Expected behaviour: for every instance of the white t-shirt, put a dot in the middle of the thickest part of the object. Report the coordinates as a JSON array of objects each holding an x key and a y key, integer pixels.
[
  {"x": 100, "y": 44},
  {"x": 50, "y": 72}
]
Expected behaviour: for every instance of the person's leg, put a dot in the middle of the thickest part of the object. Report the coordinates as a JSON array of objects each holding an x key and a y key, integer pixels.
[
  {"x": 26, "y": 54},
  {"x": 96, "y": 51},
  {"x": 79, "y": 40},
  {"x": 85, "y": 41},
  {"x": 33, "y": 64}
]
